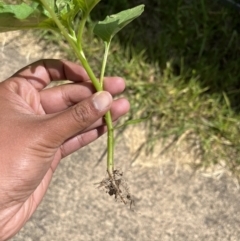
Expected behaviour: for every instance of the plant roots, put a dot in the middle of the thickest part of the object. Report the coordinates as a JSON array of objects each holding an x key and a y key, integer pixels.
[{"x": 116, "y": 185}]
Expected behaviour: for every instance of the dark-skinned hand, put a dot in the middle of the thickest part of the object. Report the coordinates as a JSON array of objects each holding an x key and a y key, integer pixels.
[{"x": 39, "y": 126}]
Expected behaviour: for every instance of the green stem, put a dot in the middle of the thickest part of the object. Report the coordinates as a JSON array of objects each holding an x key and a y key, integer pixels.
[
  {"x": 89, "y": 71},
  {"x": 107, "y": 46},
  {"x": 58, "y": 22},
  {"x": 80, "y": 30},
  {"x": 75, "y": 43},
  {"x": 110, "y": 143},
  {"x": 108, "y": 118}
]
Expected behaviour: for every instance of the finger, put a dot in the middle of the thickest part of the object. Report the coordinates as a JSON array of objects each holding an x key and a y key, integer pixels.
[
  {"x": 75, "y": 143},
  {"x": 61, "y": 97},
  {"x": 119, "y": 108},
  {"x": 114, "y": 83},
  {"x": 70, "y": 122},
  {"x": 95, "y": 130},
  {"x": 81, "y": 140},
  {"x": 90, "y": 134},
  {"x": 42, "y": 72}
]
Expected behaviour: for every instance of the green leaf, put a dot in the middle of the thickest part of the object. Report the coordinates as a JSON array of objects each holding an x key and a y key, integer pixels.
[
  {"x": 51, "y": 3},
  {"x": 24, "y": 16},
  {"x": 112, "y": 24},
  {"x": 86, "y": 6},
  {"x": 21, "y": 16},
  {"x": 66, "y": 11},
  {"x": 20, "y": 11}
]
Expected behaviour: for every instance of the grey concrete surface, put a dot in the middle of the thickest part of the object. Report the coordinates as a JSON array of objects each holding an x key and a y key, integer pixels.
[{"x": 172, "y": 202}]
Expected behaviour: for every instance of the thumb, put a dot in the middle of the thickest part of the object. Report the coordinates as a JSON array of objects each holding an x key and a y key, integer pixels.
[{"x": 77, "y": 118}]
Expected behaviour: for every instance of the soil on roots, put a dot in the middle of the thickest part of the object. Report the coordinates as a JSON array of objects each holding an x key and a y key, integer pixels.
[{"x": 116, "y": 185}]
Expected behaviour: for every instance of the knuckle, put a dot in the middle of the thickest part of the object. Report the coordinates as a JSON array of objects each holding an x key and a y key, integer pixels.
[
  {"x": 63, "y": 151},
  {"x": 82, "y": 114}
]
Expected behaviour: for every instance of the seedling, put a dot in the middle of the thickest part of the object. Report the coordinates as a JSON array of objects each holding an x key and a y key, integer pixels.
[{"x": 59, "y": 16}]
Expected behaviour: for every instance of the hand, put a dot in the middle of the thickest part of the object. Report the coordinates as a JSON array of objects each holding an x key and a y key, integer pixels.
[{"x": 40, "y": 126}]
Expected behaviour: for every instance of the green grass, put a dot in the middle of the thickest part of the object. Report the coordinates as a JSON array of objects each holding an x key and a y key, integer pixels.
[
  {"x": 181, "y": 62},
  {"x": 184, "y": 69}
]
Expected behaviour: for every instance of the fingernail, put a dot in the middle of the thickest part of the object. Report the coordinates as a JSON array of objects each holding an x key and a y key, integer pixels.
[{"x": 102, "y": 100}]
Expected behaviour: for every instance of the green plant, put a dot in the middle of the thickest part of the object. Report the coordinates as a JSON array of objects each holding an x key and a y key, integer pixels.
[
  {"x": 187, "y": 53},
  {"x": 59, "y": 16}
]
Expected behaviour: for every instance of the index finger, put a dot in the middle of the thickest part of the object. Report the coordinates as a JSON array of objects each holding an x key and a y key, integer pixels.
[{"x": 42, "y": 72}]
